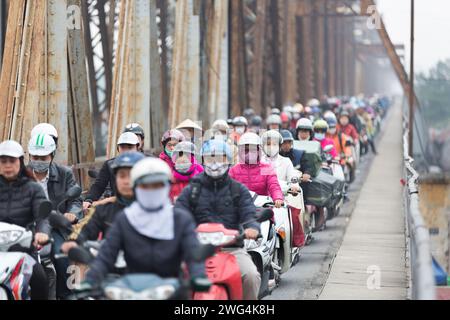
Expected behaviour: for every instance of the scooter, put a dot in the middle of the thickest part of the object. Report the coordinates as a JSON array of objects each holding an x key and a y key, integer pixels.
[
  {"x": 16, "y": 262},
  {"x": 222, "y": 268},
  {"x": 333, "y": 167}
]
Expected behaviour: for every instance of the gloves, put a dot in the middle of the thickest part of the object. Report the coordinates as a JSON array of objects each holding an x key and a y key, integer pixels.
[{"x": 200, "y": 284}]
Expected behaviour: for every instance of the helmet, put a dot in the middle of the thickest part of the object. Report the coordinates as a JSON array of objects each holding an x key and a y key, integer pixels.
[
  {"x": 136, "y": 129},
  {"x": 185, "y": 147},
  {"x": 329, "y": 115},
  {"x": 249, "y": 112},
  {"x": 221, "y": 125},
  {"x": 41, "y": 145},
  {"x": 126, "y": 160},
  {"x": 321, "y": 125},
  {"x": 250, "y": 138},
  {"x": 256, "y": 121},
  {"x": 313, "y": 103},
  {"x": 308, "y": 110},
  {"x": 298, "y": 107},
  {"x": 45, "y": 128},
  {"x": 128, "y": 138},
  {"x": 344, "y": 114},
  {"x": 150, "y": 170},
  {"x": 272, "y": 135},
  {"x": 217, "y": 147},
  {"x": 304, "y": 124},
  {"x": 332, "y": 123},
  {"x": 287, "y": 135},
  {"x": 230, "y": 122},
  {"x": 11, "y": 149},
  {"x": 240, "y": 121},
  {"x": 273, "y": 119},
  {"x": 189, "y": 124},
  {"x": 276, "y": 111},
  {"x": 285, "y": 117},
  {"x": 173, "y": 134}
]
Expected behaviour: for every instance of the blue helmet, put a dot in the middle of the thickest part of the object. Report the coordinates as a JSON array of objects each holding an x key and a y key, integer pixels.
[
  {"x": 126, "y": 160},
  {"x": 216, "y": 147},
  {"x": 287, "y": 135}
]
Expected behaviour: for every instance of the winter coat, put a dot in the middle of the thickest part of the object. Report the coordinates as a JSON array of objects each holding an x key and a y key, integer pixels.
[
  {"x": 284, "y": 169},
  {"x": 181, "y": 181},
  {"x": 350, "y": 131},
  {"x": 259, "y": 178},
  {"x": 104, "y": 179}
]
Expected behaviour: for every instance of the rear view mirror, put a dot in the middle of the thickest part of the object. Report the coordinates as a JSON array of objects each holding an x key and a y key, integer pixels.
[
  {"x": 74, "y": 193},
  {"x": 45, "y": 209},
  {"x": 264, "y": 215},
  {"x": 80, "y": 255},
  {"x": 59, "y": 222}
]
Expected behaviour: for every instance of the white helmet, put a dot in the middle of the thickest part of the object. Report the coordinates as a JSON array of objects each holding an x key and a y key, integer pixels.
[
  {"x": 313, "y": 103},
  {"x": 220, "y": 125},
  {"x": 45, "y": 128},
  {"x": 250, "y": 138},
  {"x": 150, "y": 170},
  {"x": 274, "y": 119},
  {"x": 11, "y": 149},
  {"x": 329, "y": 115},
  {"x": 128, "y": 138},
  {"x": 305, "y": 124},
  {"x": 272, "y": 135},
  {"x": 41, "y": 145}
]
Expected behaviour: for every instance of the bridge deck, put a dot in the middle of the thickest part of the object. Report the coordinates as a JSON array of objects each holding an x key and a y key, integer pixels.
[{"x": 375, "y": 237}]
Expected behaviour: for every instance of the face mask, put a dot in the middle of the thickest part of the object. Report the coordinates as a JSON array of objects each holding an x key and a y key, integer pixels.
[
  {"x": 344, "y": 122},
  {"x": 169, "y": 153},
  {"x": 216, "y": 170},
  {"x": 240, "y": 130},
  {"x": 183, "y": 167},
  {"x": 333, "y": 131},
  {"x": 250, "y": 157},
  {"x": 153, "y": 200},
  {"x": 40, "y": 166},
  {"x": 271, "y": 151},
  {"x": 319, "y": 136}
]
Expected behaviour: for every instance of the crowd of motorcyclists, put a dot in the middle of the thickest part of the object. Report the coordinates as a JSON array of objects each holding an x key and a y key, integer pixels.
[{"x": 148, "y": 207}]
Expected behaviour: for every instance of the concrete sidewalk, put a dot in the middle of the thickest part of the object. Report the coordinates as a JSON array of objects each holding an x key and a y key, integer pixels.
[{"x": 373, "y": 248}]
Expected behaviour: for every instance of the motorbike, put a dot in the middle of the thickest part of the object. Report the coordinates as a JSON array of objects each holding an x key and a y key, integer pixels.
[
  {"x": 334, "y": 168},
  {"x": 16, "y": 262},
  {"x": 222, "y": 268}
]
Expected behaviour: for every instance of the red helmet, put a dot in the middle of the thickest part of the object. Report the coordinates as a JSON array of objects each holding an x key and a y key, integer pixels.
[
  {"x": 285, "y": 117},
  {"x": 173, "y": 134}
]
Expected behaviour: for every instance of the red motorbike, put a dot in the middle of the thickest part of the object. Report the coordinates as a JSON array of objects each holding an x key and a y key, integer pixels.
[{"x": 222, "y": 268}]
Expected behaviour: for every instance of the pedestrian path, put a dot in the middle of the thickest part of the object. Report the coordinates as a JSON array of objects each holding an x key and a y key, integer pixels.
[{"x": 370, "y": 264}]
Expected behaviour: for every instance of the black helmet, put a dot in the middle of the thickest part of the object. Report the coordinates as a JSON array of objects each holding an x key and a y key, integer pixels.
[
  {"x": 126, "y": 160},
  {"x": 249, "y": 112},
  {"x": 256, "y": 121},
  {"x": 136, "y": 129},
  {"x": 287, "y": 135}
]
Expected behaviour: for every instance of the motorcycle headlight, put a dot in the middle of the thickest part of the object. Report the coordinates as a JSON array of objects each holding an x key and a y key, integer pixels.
[
  {"x": 8, "y": 237},
  {"x": 117, "y": 294},
  {"x": 158, "y": 293},
  {"x": 214, "y": 238}
]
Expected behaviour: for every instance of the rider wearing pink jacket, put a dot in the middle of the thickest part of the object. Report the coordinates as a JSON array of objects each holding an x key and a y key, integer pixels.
[
  {"x": 320, "y": 130},
  {"x": 258, "y": 177}
]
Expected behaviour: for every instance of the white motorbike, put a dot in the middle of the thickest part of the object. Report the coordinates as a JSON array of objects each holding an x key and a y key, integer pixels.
[{"x": 16, "y": 263}]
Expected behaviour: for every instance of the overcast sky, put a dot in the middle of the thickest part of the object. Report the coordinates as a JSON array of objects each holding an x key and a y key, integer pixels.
[{"x": 432, "y": 28}]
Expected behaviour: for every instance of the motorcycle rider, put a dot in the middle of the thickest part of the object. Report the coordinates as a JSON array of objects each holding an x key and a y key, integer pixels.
[
  {"x": 155, "y": 237},
  {"x": 320, "y": 132},
  {"x": 271, "y": 142},
  {"x": 169, "y": 141},
  {"x": 137, "y": 129},
  {"x": 346, "y": 127},
  {"x": 186, "y": 167},
  {"x": 257, "y": 176},
  {"x": 192, "y": 131},
  {"x": 296, "y": 156},
  {"x": 101, "y": 218},
  {"x": 127, "y": 142},
  {"x": 240, "y": 125},
  {"x": 46, "y": 128},
  {"x": 304, "y": 130},
  {"x": 213, "y": 197},
  {"x": 255, "y": 124},
  {"x": 55, "y": 180},
  {"x": 274, "y": 122},
  {"x": 20, "y": 199}
]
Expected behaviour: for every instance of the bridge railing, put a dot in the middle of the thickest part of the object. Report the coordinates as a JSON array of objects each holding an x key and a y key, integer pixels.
[{"x": 422, "y": 283}]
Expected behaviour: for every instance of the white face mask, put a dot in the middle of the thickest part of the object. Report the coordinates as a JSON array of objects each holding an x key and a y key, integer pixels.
[
  {"x": 240, "y": 130},
  {"x": 319, "y": 136},
  {"x": 216, "y": 170},
  {"x": 153, "y": 200},
  {"x": 271, "y": 151},
  {"x": 183, "y": 167},
  {"x": 333, "y": 131}
]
